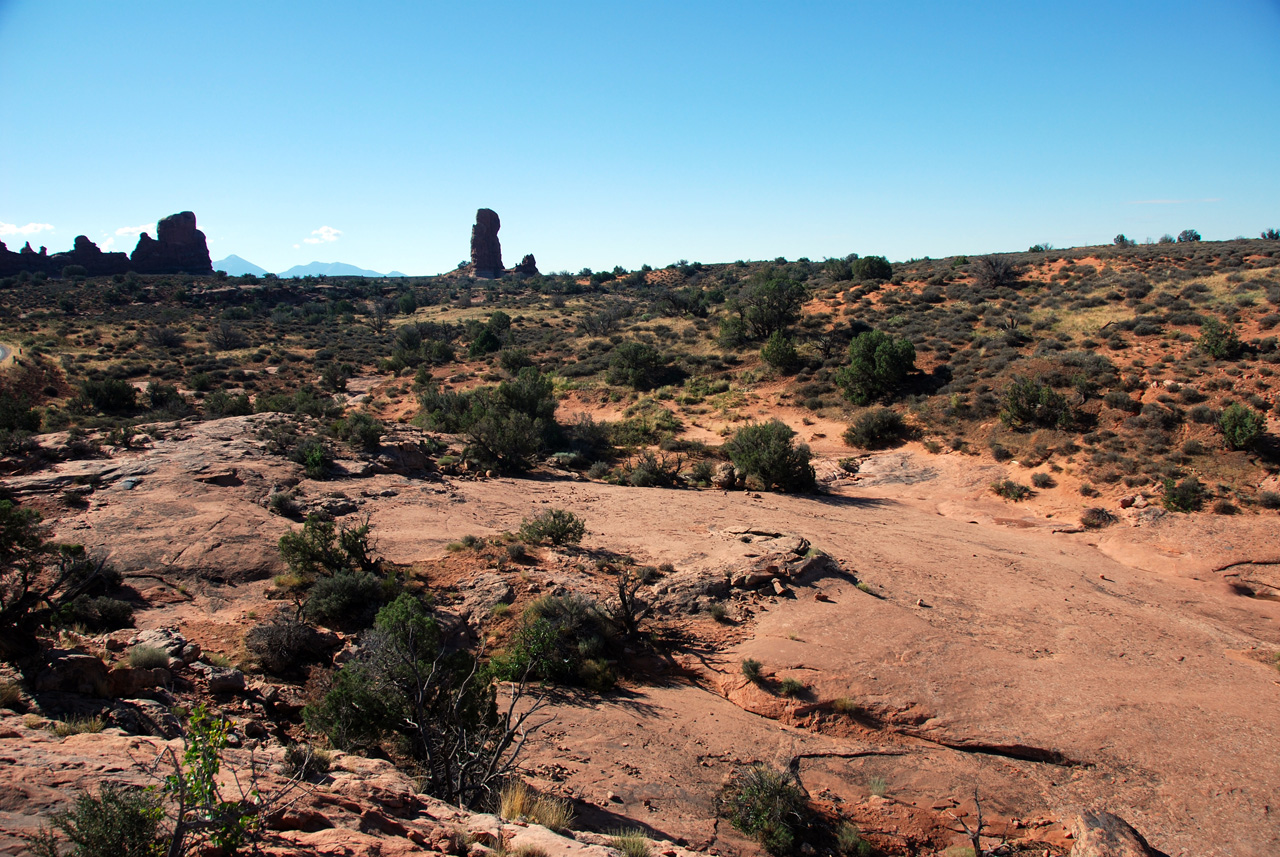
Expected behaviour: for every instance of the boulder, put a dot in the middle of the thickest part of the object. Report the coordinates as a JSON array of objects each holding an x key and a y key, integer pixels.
[
  {"x": 486, "y": 250},
  {"x": 128, "y": 682},
  {"x": 170, "y": 642},
  {"x": 221, "y": 679},
  {"x": 74, "y": 672},
  {"x": 726, "y": 477},
  {"x": 178, "y": 248},
  {"x": 1101, "y": 834}
]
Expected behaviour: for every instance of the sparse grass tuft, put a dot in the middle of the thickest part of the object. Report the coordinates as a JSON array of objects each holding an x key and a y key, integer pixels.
[
  {"x": 793, "y": 687},
  {"x": 148, "y": 658},
  {"x": 751, "y": 669}
]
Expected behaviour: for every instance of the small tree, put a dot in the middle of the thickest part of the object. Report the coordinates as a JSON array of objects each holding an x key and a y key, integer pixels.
[
  {"x": 768, "y": 303},
  {"x": 1241, "y": 427},
  {"x": 878, "y": 367},
  {"x": 766, "y": 451},
  {"x": 1188, "y": 236},
  {"x": 871, "y": 268},
  {"x": 1121, "y": 241},
  {"x": 1270, "y": 235}
]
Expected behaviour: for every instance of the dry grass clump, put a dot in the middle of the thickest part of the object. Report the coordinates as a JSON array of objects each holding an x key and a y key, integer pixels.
[
  {"x": 518, "y": 801},
  {"x": 148, "y": 657},
  {"x": 77, "y": 725},
  {"x": 632, "y": 843}
]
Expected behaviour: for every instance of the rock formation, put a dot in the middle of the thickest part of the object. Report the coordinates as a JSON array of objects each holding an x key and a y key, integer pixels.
[
  {"x": 178, "y": 248},
  {"x": 486, "y": 250},
  {"x": 528, "y": 266}
]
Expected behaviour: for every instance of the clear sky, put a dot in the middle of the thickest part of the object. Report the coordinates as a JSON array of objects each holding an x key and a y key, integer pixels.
[{"x": 611, "y": 133}]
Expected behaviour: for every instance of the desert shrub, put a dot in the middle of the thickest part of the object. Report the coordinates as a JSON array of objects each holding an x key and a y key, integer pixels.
[
  {"x": 878, "y": 367},
  {"x": 1121, "y": 400},
  {"x": 637, "y": 365},
  {"x": 95, "y": 613},
  {"x": 557, "y": 526},
  {"x": 993, "y": 272},
  {"x": 1241, "y": 426},
  {"x": 306, "y": 762},
  {"x": 999, "y": 451},
  {"x": 751, "y": 668},
  {"x": 148, "y": 657},
  {"x": 1010, "y": 490},
  {"x": 110, "y": 396},
  {"x": 702, "y": 472},
  {"x": 1187, "y": 236},
  {"x": 220, "y": 403},
  {"x": 876, "y": 429},
  {"x": 1202, "y": 414},
  {"x": 562, "y": 639},
  {"x": 1269, "y": 499},
  {"x": 1224, "y": 507},
  {"x": 346, "y": 600},
  {"x": 766, "y": 804},
  {"x": 766, "y": 451},
  {"x": 118, "y": 822},
  {"x": 321, "y": 549},
  {"x": 1031, "y": 402},
  {"x": 408, "y": 687},
  {"x": 360, "y": 430},
  {"x": 506, "y": 426},
  {"x": 1218, "y": 339},
  {"x": 284, "y": 645},
  {"x": 517, "y": 552},
  {"x": 779, "y": 351},
  {"x": 792, "y": 687},
  {"x": 1184, "y": 496},
  {"x": 1096, "y": 517},
  {"x": 849, "y": 842},
  {"x": 314, "y": 456},
  {"x": 40, "y": 578},
  {"x": 1042, "y": 480}
]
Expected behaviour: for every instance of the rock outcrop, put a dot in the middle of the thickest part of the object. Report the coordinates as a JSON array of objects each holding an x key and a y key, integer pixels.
[
  {"x": 528, "y": 266},
  {"x": 486, "y": 250},
  {"x": 1101, "y": 834},
  {"x": 178, "y": 248}
]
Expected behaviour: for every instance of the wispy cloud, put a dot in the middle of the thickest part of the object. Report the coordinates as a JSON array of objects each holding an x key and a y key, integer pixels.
[
  {"x": 134, "y": 230},
  {"x": 1172, "y": 201},
  {"x": 29, "y": 229},
  {"x": 323, "y": 235}
]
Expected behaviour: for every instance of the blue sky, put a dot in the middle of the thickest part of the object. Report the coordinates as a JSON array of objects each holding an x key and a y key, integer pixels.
[{"x": 618, "y": 133}]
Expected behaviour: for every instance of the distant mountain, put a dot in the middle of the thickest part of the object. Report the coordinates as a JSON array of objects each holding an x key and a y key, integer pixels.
[
  {"x": 396, "y": 274},
  {"x": 237, "y": 267},
  {"x": 328, "y": 269}
]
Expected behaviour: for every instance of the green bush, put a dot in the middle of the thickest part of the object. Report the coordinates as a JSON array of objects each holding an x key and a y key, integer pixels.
[
  {"x": 557, "y": 526},
  {"x": 751, "y": 668},
  {"x": 1011, "y": 490},
  {"x": 1031, "y": 402},
  {"x": 767, "y": 805},
  {"x": 878, "y": 367},
  {"x": 637, "y": 365},
  {"x": 314, "y": 456},
  {"x": 220, "y": 403},
  {"x": 346, "y": 600},
  {"x": 284, "y": 645},
  {"x": 766, "y": 451},
  {"x": 1184, "y": 496},
  {"x": 118, "y": 822},
  {"x": 562, "y": 639},
  {"x": 767, "y": 303},
  {"x": 1241, "y": 426},
  {"x": 876, "y": 429},
  {"x": 779, "y": 351},
  {"x": 95, "y": 613},
  {"x": 1218, "y": 339}
]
